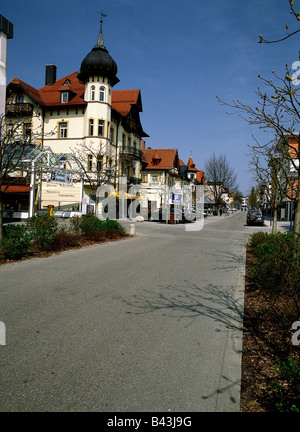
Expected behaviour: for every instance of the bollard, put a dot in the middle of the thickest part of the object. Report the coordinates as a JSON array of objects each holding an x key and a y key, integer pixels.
[{"x": 132, "y": 229}]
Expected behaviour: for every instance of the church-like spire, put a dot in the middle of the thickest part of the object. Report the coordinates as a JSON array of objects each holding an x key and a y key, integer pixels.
[{"x": 100, "y": 41}]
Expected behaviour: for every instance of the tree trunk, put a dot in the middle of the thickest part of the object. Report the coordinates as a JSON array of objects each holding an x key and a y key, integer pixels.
[
  {"x": 275, "y": 213},
  {"x": 297, "y": 209},
  {"x": 1, "y": 218},
  {"x": 274, "y": 223}
]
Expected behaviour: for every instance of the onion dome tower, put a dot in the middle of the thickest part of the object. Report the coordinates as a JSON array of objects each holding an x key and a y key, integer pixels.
[
  {"x": 98, "y": 73},
  {"x": 98, "y": 62}
]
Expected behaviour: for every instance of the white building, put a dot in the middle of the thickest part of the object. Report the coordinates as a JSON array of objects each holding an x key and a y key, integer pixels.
[{"x": 94, "y": 129}]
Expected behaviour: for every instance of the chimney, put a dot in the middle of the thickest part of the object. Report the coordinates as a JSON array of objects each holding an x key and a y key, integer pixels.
[
  {"x": 143, "y": 145},
  {"x": 50, "y": 76}
]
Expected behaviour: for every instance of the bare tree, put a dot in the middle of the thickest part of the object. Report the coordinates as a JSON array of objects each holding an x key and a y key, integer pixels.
[
  {"x": 276, "y": 160},
  {"x": 97, "y": 165},
  {"x": 288, "y": 35},
  {"x": 15, "y": 142},
  {"x": 219, "y": 175}
]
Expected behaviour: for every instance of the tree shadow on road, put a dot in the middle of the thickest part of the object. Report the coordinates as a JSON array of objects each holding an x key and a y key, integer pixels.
[{"x": 189, "y": 302}]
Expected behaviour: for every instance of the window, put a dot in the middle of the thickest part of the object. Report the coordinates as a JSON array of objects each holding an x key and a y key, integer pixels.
[
  {"x": 99, "y": 163},
  {"x": 93, "y": 93},
  {"x": 20, "y": 99},
  {"x": 111, "y": 135},
  {"x": 100, "y": 127},
  {"x": 90, "y": 162},
  {"x": 62, "y": 129},
  {"x": 91, "y": 127},
  {"x": 27, "y": 132},
  {"x": 10, "y": 129},
  {"x": 102, "y": 94},
  {"x": 154, "y": 179},
  {"x": 64, "y": 97}
]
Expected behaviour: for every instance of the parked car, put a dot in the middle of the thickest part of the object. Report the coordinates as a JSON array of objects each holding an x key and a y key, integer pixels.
[
  {"x": 163, "y": 215},
  {"x": 255, "y": 217}
]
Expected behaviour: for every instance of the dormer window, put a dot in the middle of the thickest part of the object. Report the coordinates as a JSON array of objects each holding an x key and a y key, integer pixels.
[{"x": 64, "y": 97}]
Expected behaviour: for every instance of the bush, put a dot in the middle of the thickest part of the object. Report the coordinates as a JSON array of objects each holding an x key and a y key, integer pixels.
[
  {"x": 113, "y": 227},
  {"x": 287, "y": 385},
  {"x": 43, "y": 229},
  {"x": 277, "y": 264},
  {"x": 75, "y": 223},
  {"x": 258, "y": 238},
  {"x": 89, "y": 224},
  {"x": 64, "y": 239},
  {"x": 16, "y": 242}
]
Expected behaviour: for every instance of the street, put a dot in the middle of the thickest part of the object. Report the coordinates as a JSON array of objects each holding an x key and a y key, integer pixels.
[{"x": 150, "y": 323}]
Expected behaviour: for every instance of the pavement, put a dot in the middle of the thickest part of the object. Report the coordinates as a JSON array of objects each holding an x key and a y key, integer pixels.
[{"x": 152, "y": 323}]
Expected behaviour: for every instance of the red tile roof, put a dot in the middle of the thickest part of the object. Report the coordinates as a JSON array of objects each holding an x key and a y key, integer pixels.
[
  {"x": 34, "y": 93},
  {"x": 123, "y": 99},
  {"x": 191, "y": 165},
  {"x": 168, "y": 159},
  {"x": 49, "y": 95},
  {"x": 200, "y": 177}
]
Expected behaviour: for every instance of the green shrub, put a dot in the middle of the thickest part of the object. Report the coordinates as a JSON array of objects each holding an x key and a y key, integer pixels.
[
  {"x": 75, "y": 223},
  {"x": 16, "y": 242},
  {"x": 89, "y": 224},
  {"x": 113, "y": 227},
  {"x": 287, "y": 385},
  {"x": 258, "y": 238},
  {"x": 277, "y": 265},
  {"x": 43, "y": 229}
]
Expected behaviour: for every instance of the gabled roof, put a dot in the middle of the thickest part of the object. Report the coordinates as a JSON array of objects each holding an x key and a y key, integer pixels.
[
  {"x": 167, "y": 159},
  {"x": 31, "y": 91},
  {"x": 122, "y": 100},
  {"x": 50, "y": 94},
  {"x": 126, "y": 103},
  {"x": 200, "y": 177},
  {"x": 191, "y": 165}
]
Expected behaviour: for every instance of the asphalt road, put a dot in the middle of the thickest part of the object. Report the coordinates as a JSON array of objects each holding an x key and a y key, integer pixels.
[{"x": 151, "y": 323}]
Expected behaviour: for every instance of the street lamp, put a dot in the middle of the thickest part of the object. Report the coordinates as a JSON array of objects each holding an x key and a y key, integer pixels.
[
  {"x": 108, "y": 171},
  {"x": 130, "y": 186}
]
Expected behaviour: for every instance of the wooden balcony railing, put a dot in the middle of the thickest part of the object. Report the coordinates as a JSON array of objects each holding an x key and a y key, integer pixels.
[{"x": 19, "y": 109}]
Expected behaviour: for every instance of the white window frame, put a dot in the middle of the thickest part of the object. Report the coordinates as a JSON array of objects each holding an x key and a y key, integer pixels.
[
  {"x": 102, "y": 94},
  {"x": 63, "y": 129}
]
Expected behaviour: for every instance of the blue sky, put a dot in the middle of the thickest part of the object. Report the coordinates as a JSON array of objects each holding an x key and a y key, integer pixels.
[{"x": 180, "y": 54}]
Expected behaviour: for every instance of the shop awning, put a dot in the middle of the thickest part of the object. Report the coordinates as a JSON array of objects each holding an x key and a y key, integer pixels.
[{"x": 15, "y": 188}]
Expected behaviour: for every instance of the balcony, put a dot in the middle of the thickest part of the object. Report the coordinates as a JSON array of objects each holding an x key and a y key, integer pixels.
[
  {"x": 19, "y": 109},
  {"x": 131, "y": 151}
]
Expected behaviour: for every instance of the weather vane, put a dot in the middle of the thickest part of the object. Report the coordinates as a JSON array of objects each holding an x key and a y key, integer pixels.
[{"x": 103, "y": 15}]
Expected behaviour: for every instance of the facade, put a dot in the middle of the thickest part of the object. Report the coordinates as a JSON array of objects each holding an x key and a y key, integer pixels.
[
  {"x": 94, "y": 130},
  {"x": 168, "y": 180},
  {"x": 160, "y": 174}
]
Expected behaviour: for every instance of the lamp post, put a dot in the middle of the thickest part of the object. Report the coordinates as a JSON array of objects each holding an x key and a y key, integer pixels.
[
  {"x": 130, "y": 186},
  {"x": 108, "y": 171}
]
